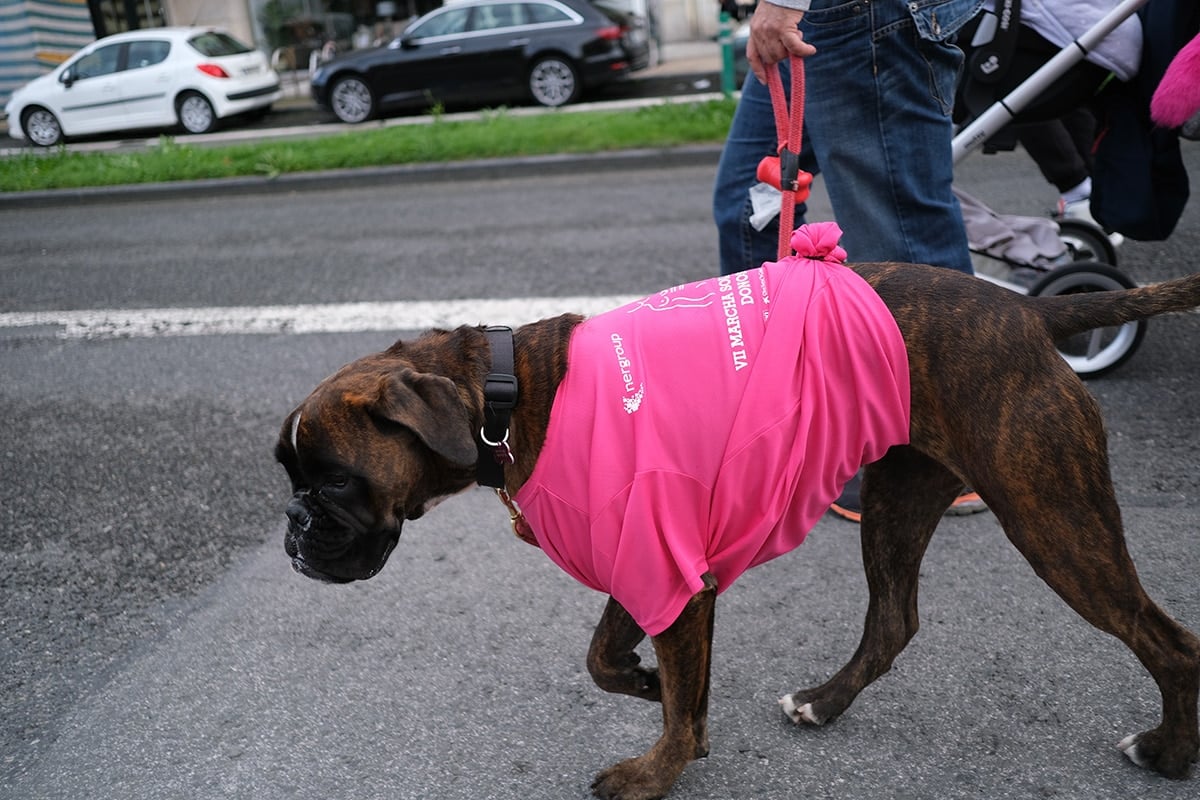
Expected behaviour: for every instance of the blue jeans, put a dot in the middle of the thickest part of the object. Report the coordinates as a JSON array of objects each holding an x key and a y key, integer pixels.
[{"x": 878, "y": 97}]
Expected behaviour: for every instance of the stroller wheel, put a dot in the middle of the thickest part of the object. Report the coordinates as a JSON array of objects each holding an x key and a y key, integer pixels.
[
  {"x": 1102, "y": 350},
  {"x": 1086, "y": 241}
]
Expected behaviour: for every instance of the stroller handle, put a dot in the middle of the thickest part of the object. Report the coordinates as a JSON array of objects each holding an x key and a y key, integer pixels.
[{"x": 1002, "y": 111}]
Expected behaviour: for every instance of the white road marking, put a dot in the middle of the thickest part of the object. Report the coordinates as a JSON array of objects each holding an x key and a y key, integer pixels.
[
  {"x": 414, "y": 315},
  {"x": 328, "y": 318}
]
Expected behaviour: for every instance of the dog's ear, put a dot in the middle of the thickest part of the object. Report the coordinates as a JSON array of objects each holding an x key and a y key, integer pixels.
[{"x": 430, "y": 407}]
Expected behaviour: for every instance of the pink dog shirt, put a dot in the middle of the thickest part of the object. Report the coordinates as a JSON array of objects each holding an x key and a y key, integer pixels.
[{"x": 708, "y": 427}]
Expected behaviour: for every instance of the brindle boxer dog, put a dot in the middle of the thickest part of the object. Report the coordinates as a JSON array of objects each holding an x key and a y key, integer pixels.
[{"x": 389, "y": 435}]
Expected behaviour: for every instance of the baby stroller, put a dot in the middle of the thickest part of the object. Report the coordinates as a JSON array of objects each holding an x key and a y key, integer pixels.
[{"x": 1055, "y": 257}]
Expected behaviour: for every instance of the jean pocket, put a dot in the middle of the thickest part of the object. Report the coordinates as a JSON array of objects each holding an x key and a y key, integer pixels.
[
  {"x": 832, "y": 14},
  {"x": 944, "y": 62},
  {"x": 939, "y": 20}
]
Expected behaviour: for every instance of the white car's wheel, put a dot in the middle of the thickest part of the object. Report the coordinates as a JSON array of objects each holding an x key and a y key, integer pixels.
[
  {"x": 41, "y": 126},
  {"x": 351, "y": 100},
  {"x": 554, "y": 82},
  {"x": 196, "y": 114}
]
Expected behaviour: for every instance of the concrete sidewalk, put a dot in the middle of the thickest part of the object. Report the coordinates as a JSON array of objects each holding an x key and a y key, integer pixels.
[{"x": 687, "y": 57}]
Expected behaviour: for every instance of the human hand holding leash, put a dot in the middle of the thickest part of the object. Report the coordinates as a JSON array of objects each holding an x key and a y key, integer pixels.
[{"x": 774, "y": 36}]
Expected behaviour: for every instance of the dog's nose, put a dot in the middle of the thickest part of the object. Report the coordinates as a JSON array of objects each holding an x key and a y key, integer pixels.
[{"x": 299, "y": 514}]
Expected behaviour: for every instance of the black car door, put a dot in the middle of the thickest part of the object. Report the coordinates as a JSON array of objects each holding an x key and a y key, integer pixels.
[
  {"x": 423, "y": 62},
  {"x": 492, "y": 60}
]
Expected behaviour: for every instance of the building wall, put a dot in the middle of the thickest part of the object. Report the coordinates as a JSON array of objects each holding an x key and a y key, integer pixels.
[
  {"x": 689, "y": 20},
  {"x": 38, "y": 35},
  {"x": 232, "y": 15}
]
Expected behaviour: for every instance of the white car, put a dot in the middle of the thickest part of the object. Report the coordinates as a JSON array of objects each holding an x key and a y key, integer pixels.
[{"x": 149, "y": 78}]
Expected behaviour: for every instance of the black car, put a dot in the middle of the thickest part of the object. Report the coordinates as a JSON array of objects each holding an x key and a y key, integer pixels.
[{"x": 481, "y": 51}]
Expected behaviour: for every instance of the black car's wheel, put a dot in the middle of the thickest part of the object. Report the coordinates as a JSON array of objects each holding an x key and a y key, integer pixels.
[
  {"x": 1102, "y": 350},
  {"x": 351, "y": 100},
  {"x": 195, "y": 113},
  {"x": 41, "y": 126},
  {"x": 553, "y": 81}
]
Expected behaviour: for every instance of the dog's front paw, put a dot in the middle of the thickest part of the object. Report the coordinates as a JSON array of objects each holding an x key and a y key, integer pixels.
[
  {"x": 1150, "y": 750},
  {"x": 800, "y": 714},
  {"x": 808, "y": 708},
  {"x": 640, "y": 778}
]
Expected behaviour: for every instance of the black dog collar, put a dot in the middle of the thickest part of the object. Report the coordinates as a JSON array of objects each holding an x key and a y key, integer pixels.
[{"x": 499, "y": 399}]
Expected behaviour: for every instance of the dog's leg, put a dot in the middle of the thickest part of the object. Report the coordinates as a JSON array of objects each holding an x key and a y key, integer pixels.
[
  {"x": 1045, "y": 475},
  {"x": 904, "y": 495},
  {"x": 1066, "y": 523},
  {"x": 1032, "y": 444},
  {"x": 611, "y": 659},
  {"x": 684, "y": 653}
]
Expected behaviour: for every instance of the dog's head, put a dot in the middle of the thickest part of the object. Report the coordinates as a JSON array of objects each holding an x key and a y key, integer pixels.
[{"x": 374, "y": 445}]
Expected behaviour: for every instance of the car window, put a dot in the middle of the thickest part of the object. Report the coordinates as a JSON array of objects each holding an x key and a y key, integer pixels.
[
  {"x": 450, "y": 22},
  {"x": 497, "y": 15},
  {"x": 147, "y": 54},
  {"x": 102, "y": 61},
  {"x": 215, "y": 43},
  {"x": 544, "y": 12}
]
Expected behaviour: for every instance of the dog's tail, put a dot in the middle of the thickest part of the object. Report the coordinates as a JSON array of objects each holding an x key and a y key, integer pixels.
[{"x": 1070, "y": 314}]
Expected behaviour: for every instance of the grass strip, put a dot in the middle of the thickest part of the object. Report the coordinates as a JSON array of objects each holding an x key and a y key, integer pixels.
[{"x": 496, "y": 134}]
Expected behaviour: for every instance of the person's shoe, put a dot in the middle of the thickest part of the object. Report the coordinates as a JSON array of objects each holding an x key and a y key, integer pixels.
[
  {"x": 1082, "y": 209},
  {"x": 848, "y": 506},
  {"x": 965, "y": 504}
]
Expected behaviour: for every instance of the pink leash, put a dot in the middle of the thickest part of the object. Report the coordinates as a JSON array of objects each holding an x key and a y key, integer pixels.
[{"x": 783, "y": 171}]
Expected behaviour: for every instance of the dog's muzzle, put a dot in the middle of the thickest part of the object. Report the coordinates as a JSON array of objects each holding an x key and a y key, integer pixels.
[
  {"x": 300, "y": 516},
  {"x": 329, "y": 544}
]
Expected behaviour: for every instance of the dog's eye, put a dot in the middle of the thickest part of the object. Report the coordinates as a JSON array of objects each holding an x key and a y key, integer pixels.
[{"x": 336, "y": 482}]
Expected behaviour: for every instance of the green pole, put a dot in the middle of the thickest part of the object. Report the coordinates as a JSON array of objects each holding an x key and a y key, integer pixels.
[{"x": 725, "y": 38}]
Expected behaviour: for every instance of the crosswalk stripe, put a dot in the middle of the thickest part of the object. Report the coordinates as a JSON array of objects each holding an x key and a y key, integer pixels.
[{"x": 312, "y": 318}]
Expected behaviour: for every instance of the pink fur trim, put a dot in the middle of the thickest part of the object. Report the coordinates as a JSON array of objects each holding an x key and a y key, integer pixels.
[{"x": 1178, "y": 94}]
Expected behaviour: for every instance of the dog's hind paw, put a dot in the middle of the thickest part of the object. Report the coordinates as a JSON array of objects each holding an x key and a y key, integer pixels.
[
  {"x": 642, "y": 778},
  {"x": 1167, "y": 756},
  {"x": 1129, "y": 747},
  {"x": 800, "y": 714}
]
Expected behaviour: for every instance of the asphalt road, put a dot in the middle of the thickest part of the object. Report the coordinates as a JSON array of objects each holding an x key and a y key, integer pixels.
[{"x": 155, "y": 643}]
